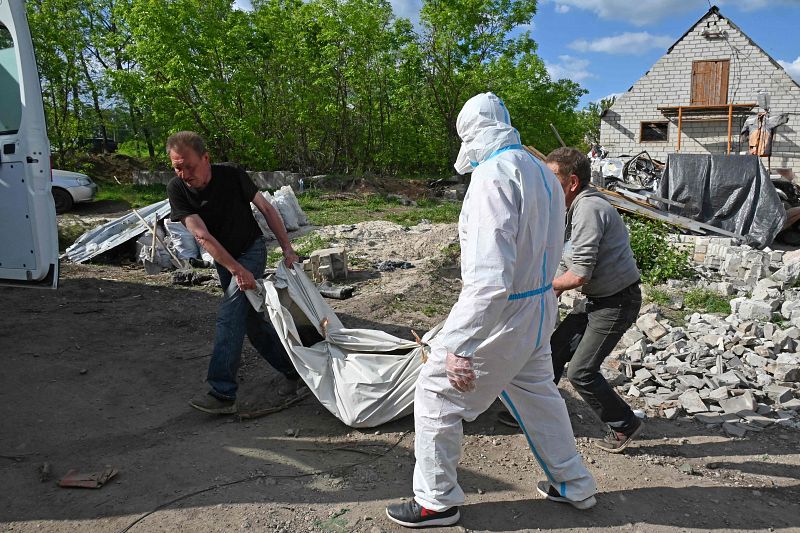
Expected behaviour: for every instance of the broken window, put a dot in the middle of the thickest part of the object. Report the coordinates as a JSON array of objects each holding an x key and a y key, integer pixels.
[
  {"x": 653, "y": 132},
  {"x": 710, "y": 82}
]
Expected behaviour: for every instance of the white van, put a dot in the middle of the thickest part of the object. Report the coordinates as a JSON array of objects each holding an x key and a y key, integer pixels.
[{"x": 28, "y": 230}]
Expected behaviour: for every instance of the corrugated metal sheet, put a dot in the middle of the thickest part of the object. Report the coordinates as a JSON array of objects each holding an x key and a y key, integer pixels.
[{"x": 112, "y": 234}]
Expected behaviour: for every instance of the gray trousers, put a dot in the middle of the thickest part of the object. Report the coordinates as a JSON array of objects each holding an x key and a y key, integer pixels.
[{"x": 584, "y": 340}]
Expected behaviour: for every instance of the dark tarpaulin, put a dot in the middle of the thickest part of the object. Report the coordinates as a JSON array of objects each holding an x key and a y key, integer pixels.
[{"x": 732, "y": 192}]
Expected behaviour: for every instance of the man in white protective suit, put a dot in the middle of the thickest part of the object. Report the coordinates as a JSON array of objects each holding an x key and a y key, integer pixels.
[{"x": 495, "y": 341}]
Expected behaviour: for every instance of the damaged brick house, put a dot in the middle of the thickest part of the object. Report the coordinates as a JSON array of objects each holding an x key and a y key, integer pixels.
[{"x": 698, "y": 96}]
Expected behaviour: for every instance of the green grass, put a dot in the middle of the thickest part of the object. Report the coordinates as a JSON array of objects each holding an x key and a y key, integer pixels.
[
  {"x": 302, "y": 247},
  {"x": 656, "y": 295},
  {"x": 134, "y": 148},
  {"x": 68, "y": 234},
  {"x": 135, "y": 195},
  {"x": 707, "y": 301},
  {"x": 324, "y": 209},
  {"x": 431, "y": 210}
]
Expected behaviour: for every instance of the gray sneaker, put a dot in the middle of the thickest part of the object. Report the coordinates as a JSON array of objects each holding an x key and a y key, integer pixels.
[
  {"x": 507, "y": 419},
  {"x": 548, "y": 491},
  {"x": 616, "y": 441},
  {"x": 213, "y": 405}
]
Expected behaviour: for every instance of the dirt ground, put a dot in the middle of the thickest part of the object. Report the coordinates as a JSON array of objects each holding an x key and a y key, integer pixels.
[{"x": 98, "y": 374}]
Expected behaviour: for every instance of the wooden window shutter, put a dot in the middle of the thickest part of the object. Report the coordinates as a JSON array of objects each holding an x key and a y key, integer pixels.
[{"x": 710, "y": 82}]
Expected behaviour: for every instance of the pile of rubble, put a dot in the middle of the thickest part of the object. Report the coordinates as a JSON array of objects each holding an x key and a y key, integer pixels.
[{"x": 740, "y": 372}]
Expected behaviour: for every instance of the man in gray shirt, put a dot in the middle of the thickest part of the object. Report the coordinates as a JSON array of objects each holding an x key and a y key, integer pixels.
[{"x": 600, "y": 263}]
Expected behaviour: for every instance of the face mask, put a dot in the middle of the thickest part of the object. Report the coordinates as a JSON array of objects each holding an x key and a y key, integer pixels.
[{"x": 463, "y": 164}]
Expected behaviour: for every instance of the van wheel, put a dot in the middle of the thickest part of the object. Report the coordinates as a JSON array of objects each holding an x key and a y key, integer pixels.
[{"x": 63, "y": 200}]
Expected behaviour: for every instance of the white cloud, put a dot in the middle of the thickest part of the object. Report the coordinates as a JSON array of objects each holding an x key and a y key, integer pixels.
[
  {"x": 625, "y": 43},
  {"x": 793, "y": 68},
  {"x": 408, "y": 9},
  {"x": 573, "y": 68},
  {"x": 242, "y": 5},
  {"x": 639, "y": 13},
  {"x": 562, "y": 8},
  {"x": 646, "y": 12}
]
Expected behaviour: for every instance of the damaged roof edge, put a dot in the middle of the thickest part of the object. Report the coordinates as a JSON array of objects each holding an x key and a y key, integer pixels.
[
  {"x": 112, "y": 234},
  {"x": 715, "y": 11}
]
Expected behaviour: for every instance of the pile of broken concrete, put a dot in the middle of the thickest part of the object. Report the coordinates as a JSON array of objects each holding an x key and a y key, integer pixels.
[{"x": 740, "y": 372}]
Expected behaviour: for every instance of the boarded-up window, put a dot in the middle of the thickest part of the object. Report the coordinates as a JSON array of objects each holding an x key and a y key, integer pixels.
[
  {"x": 710, "y": 82},
  {"x": 653, "y": 132}
]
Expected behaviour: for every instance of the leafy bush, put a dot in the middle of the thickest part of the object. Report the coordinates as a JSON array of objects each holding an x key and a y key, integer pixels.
[{"x": 656, "y": 258}]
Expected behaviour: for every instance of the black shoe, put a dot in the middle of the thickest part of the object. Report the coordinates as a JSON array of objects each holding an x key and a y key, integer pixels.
[
  {"x": 550, "y": 492},
  {"x": 616, "y": 441},
  {"x": 289, "y": 387},
  {"x": 507, "y": 419},
  {"x": 212, "y": 405},
  {"x": 412, "y": 514}
]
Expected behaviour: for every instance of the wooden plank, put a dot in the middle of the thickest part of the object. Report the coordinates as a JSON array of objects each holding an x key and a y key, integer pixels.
[
  {"x": 723, "y": 70},
  {"x": 730, "y": 121},
  {"x": 625, "y": 204},
  {"x": 680, "y": 124},
  {"x": 536, "y": 153},
  {"x": 648, "y": 197}
]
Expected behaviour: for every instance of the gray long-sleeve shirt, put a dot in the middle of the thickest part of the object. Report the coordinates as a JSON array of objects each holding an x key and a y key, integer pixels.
[{"x": 598, "y": 247}]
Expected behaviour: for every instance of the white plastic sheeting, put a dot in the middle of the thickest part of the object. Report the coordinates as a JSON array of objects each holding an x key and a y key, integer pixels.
[
  {"x": 287, "y": 205},
  {"x": 364, "y": 377}
]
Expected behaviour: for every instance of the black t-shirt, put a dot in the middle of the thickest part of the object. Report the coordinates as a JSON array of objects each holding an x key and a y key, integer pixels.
[{"x": 224, "y": 206}]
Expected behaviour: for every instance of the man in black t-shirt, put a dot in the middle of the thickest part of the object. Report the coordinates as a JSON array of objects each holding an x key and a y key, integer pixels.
[{"x": 213, "y": 202}]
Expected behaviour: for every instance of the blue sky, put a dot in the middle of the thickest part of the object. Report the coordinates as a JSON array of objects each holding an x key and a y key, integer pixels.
[{"x": 606, "y": 45}]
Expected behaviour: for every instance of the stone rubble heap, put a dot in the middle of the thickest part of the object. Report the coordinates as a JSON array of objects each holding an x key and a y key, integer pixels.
[{"x": 740, "y": 372}]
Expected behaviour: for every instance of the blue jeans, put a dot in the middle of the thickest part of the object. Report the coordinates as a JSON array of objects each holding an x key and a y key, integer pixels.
[{"x": 235, "y": 317}]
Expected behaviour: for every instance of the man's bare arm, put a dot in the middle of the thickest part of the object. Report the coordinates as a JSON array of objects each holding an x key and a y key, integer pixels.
[
  {"x": 275, "y": 223},
  {"x": 567, "y": 281},
  {"x": 244, "y": 278}
]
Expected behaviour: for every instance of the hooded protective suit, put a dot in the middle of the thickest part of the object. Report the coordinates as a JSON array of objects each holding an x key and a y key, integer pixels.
[{"x": 511, "y": 230}]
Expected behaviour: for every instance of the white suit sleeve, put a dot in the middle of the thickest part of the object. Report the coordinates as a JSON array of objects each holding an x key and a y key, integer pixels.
[{"x": 488, "y": 255}]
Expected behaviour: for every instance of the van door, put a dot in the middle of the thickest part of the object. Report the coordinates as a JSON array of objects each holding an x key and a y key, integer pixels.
[{"x": 28, "y": 230}]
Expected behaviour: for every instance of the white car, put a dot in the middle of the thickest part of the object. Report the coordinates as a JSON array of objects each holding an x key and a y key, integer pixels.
[{"x": 71, "y": 188}]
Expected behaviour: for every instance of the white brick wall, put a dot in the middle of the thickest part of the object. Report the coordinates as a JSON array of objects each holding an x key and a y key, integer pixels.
[{"x": 668, "y": 83}]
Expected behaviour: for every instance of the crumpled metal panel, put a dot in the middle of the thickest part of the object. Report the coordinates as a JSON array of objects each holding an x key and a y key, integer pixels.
[{"x": 111, "y": 234}]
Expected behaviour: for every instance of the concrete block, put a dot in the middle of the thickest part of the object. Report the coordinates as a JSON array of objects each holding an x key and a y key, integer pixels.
[
  {"x": 614, "y": 377},
  {"x": 690, "y": 381},
  {"x": 691, "y": 402},
  {"x": 708, "y": 418},
  {"x": 753, "y": 310},
  {"x": 718, "y": 394},
  {"x": 630, "y": 337},
  {"x": 789, "y": 274},
  {"x": 789, "y": 373},
  {"x": 788, "y": 359},
  {"x": 743, "y": 402},
  {"x": 793, "y": 404},
  {"x": 734, "y": 429},
  {"x": 778, "y": 393},
  {"x": 756, "y": 361},
  {"x": 328, "y": 264},
  {"x": 789, "y": 307},
  {"x": 651, "y": 327}
]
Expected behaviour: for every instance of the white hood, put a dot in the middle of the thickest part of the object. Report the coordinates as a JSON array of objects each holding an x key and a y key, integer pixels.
[{"x": 484, "y": 127}]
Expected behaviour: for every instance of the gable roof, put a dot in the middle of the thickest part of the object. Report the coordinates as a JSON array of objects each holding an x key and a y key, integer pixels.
[{"x": 715, "y": 11}]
